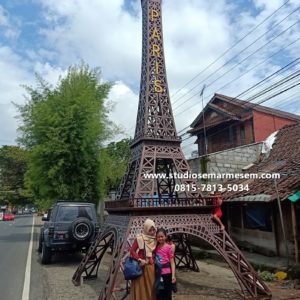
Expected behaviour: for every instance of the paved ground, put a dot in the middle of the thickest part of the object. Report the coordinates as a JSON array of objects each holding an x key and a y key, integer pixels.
[
  {"x": 211, "y": 283},
  {"x": 214, "y": 281}
]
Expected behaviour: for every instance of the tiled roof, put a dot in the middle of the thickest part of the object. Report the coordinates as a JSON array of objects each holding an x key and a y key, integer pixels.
[
  {"x": 258, "y": 107},
  {"x": 284, "y": 159},
  {"x": 247, "y": 105}
]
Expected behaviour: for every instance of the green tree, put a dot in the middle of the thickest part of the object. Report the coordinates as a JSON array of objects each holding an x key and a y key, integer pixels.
[
  {"x": 13, "y": 165},
  {"x": 114, "y": 160},
  {"x": 65, "y": 128}
]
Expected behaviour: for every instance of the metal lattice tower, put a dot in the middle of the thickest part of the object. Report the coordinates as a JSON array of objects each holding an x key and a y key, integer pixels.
[{"x": 156, "y": 150}]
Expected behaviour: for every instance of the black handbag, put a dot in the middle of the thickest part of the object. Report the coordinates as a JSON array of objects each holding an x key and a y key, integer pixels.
[{"x": 132, "y": 269}]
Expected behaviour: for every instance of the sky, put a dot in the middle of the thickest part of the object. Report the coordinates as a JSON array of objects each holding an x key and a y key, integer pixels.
[{"x": 228, "y": 45}]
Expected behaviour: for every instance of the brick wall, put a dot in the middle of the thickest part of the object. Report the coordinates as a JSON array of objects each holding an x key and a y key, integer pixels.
[{"x": 228, "y": 161}]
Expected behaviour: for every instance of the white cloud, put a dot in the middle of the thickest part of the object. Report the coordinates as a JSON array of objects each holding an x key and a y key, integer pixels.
[
  {"x": 196, "y": 32},
  {"x": 8, "y": 25},
  {"x": 268, "y": 5},
  {"x": 48, "y": 72},
  {"x": 15, "y": 73},
  {"x": 103, "y": 34},
  {"x": 3, "y": 17},
  {"x": 98, "y": 32},
  {"x": 124, "y": 114}
]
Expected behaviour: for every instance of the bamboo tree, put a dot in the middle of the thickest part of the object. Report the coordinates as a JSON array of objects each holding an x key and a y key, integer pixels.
[{"x": 65, "y": 127}]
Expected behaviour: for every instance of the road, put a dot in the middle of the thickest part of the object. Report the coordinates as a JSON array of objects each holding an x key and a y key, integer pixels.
[
  {"x": 53, "y": 282},
  {"x": 14, "y": 243}
]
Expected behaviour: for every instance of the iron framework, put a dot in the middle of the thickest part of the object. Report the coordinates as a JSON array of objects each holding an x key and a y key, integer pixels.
[{"x": 156, "y": 150}]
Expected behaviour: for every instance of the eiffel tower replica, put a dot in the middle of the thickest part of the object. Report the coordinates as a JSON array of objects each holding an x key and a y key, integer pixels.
[{"x": 169, "y": 198}]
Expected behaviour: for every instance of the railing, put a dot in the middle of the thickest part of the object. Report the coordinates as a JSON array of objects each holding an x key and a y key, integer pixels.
[{"x": 162, "y": 202}]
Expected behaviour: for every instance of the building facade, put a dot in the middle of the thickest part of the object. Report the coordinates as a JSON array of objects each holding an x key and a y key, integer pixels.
[{"x": 227, "y": 123}]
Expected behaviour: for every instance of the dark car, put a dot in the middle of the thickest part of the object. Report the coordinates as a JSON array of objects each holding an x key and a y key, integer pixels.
[{"x": 69, "y": 226}]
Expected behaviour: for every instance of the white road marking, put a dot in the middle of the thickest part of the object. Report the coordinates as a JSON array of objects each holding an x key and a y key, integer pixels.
[{"x": 26, "y": 287}]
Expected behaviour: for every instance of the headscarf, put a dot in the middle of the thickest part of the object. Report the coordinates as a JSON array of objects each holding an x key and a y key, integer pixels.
[{"x": 145, "y": 240}]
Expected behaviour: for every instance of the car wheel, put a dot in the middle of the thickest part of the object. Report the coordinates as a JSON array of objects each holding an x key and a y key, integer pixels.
[
  {"x": 45, "y": 255},
  {"x": 81, "y": 229}
]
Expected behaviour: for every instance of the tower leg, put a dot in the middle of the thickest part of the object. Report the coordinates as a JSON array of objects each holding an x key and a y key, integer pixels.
[
  {"x": 123, "y": 229},
  {"x": 184, "y": 257}
]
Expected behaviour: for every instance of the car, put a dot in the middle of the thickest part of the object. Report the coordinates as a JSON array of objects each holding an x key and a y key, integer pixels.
[
  {"x": 26, "y": 211},
  {"x": 69, "y": 226},
  {"x": 8, "y": 216}
]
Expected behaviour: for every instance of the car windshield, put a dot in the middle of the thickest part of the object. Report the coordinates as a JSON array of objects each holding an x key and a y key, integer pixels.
[{"x": 70, "y": 213}]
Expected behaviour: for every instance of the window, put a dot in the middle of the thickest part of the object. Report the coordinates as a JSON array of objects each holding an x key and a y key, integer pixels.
[
  {"x": 50, "y": 214},
  {"x": 70, "y": 213}
]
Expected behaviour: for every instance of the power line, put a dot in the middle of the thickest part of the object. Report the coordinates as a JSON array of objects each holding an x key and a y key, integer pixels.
[
  {"x": 255, "y": 66},
  {"x": 269, "y": 88},
  {"x": 193, "y": 143},
  {"x": 238, "y": 54},
  {"x": 291, "y": 86},
  {"x": 286, "y": 67},
  {"x": 280, "y": 82},
  {"x": 238, "y": 64},
  {"x": 288, "y": 99},
  {"x": 248, "y": 45},
  {"x": 275, "y": 85},
  {"x": 253, "y": 87},
  {"x": 224, "y": 53},
  {"x": 186, "y": 108}
]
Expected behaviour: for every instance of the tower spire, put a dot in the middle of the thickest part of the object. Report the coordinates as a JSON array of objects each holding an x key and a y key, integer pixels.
[
  {"x": 154, "y": 118},
  {"x": 155, "y": 149}
]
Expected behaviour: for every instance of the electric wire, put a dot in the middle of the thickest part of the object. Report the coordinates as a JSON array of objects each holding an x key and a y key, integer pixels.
[
  {"x": 255, "y": 66},
  {"x": 243, "y": 50},
  {"x": 291, "y": 86},
  {"x": 273, "y": 86},
  {"x": 230, "y": 48},
  {"x": 236, "y": 65},
  {"x": 253, "y": 87}
]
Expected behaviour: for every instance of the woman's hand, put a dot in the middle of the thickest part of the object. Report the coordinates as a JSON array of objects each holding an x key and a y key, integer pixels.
[
  {"x": 142, "y": 262},
  {"x": 173, "y": 279}
]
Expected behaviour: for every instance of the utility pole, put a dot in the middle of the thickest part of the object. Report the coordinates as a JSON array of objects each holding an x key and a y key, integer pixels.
[
  {"x": 282, "y": 224},
  {"x": 203, "y": 119}
]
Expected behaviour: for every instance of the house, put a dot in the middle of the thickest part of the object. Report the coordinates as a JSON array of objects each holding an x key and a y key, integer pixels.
[
  {"x": 229, "y": 122},
  {"x": 265, "y": 216}
]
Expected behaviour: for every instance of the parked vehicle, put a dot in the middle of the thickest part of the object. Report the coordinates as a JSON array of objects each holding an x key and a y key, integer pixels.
[
  {"x": 69, "y": 226},
  {"x": 8, "y": 216},
  {"x": 26, "y": 211}
]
